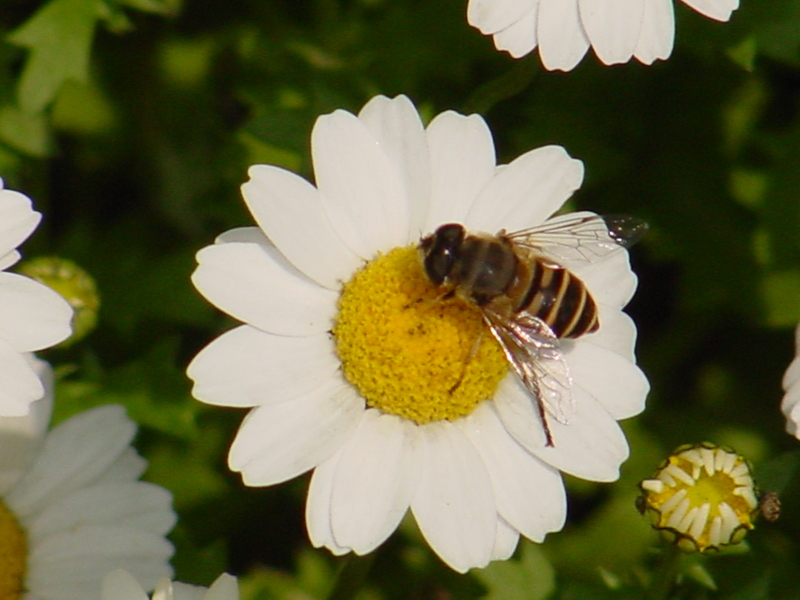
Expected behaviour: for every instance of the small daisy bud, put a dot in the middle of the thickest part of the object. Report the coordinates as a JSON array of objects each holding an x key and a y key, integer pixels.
[
  {"x": 74, "y": 284},
  {"x": 703, "y": 497}
]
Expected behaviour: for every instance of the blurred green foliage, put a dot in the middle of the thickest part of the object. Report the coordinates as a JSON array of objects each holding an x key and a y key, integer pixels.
[{"x": 132, "y": 123}]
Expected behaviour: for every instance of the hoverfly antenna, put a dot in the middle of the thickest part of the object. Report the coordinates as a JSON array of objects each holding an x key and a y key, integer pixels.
[{"x": 625, "y": 230}]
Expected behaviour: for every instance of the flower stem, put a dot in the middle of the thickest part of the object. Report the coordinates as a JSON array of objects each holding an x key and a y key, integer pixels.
[
  {"x": 664, "y": 578},
  {"x": 350, "y": 579},
  {"x": 509, "y": 84}
]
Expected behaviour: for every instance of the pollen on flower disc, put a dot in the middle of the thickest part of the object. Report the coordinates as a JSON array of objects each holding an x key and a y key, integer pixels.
[
  {"x": 13, "y": 552},
  {"x": 407, "y": 350}
]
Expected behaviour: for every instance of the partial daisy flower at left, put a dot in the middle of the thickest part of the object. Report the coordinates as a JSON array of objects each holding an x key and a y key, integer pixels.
[
  {"x": 121, "y": 585},
  {"x": 71, "y": 508},
  {"x": 791, "y": 385},
  {"x": 32, "y": 316},
  {"x": 357, "y": 366},
  {"x": 617, "y": 30}
]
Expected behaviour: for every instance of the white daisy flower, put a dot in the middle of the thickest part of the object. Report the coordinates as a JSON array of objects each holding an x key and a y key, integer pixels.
[
  {"x": 32, "y": 316},
  {"x": 791, "y": 385},
  {"x": 71, "y": 508},
  {"x": 564, "y": 29},
  {"x": 353, "y": 368},
  {"x": 121, "y": 585}
]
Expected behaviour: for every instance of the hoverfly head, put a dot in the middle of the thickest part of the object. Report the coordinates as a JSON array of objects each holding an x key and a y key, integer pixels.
[{"x": 439, "y": 251}]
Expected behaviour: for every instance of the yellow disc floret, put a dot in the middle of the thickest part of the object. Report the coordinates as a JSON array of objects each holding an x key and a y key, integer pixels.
[
  {"x": 409, "y": 351},
  {"x": 703, "y": 497},
  {"x": 13, "y": 551}
]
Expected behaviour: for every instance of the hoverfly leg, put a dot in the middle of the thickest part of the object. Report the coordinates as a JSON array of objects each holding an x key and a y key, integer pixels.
[
  {"x": 446, "y": 295},
  {"x": 473, "y": 351},
  {"x": 548, "y": 436}
]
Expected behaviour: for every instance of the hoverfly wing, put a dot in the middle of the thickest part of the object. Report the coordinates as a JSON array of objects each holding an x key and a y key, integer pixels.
[
  {"x": 625, "y": 230},
  {"x": 532, "y": 349},
  {"x": 582, "y": 236}
]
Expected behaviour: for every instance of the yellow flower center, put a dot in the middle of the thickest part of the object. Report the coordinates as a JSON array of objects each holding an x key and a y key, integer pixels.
[
  {"x": 13, "y": 551},
  {"x": 704, "y": 496},
  {"x": 407, "y": 350}
]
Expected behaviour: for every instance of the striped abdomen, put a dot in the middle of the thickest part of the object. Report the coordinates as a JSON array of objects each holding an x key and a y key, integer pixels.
[{"x": 557, "y": 297}]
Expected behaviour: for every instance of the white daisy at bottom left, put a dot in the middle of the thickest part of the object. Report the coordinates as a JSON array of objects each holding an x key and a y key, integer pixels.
[{"x": 71, "y": 508}]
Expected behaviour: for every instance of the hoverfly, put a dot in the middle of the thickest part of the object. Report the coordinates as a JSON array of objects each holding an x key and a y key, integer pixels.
[
  {"x": 770, "y": 506},
  {"x": 527, "y": 298}
]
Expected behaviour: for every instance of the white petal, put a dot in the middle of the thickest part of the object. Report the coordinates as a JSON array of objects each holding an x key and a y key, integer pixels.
[
  {"x": 20, "y": 438},
  {"x": 121, "y": 585},
  {"x": 562, "y": 39},
  {"x": 75, "y": 453},
  {"x": 591, "y": 447},
  {"x": 462, "y": 163},
  {"x": 454, "y": 504},
  {"x": 253, "y": 283},
  {"x": 527, "y": 191},
  {"x": 610, "y": 281},
  {"x": 791, "y": 408},
  {"x": 792, "y": 427},
  {"x": 797, "y": 340},
  {"x": 19, "y": 384},
  {"x": 714, "y": 9},
  {"x": 67, "y": 565},
  {"x": 396, "y": 126},
  {"x": 505, "y": 541},
  {"x": 289, "y": 210},
  {"x": 9, "y": 259},
  {"x": 248, "y": 367},
  {"x": 135, "y": 504},
  {"x": 17, "y": 219},
  {"x": 790, "y": 405},
  {"x": 363, "y": 194},
  {"x": 617, "y": 332},
  {"x": 374, "y": 481},
  {"x": 225, "y": 587},
  {"x": 129, "y": 466},
  {"x": 318, "y": 506},
  {"x": 790, "y": 400},
  {"x": 490, "y": 16},
  {"x": 280, "y": 441},
  {"x": 614, "y": 381},
  {"x": 529, "y": 494},
  {"x": 32, "y": 316},
  {"x": 657, "y": 34},
  {"x": 519, "y": 38},
  {"x": 612, "y": 27},
  {"x": 792, "y": 375}
]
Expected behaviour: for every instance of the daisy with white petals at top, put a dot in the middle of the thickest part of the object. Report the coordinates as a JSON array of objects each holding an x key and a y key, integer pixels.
[
  {"x": 791, "y": 385},
  {"x": 564, "y": 29},
  {"x": 355, "y": 366},
  {"x": 121, "y": 585},
  {"x": 71, "y": 508},
  {"x": 32, "y": 316}
]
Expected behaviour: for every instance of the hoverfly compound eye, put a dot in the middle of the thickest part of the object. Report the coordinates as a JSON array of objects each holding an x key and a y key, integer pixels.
[{"x": 450, "y": 235}]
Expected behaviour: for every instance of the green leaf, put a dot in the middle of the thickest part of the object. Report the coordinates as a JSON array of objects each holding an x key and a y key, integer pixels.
[
  {"x": 780, "y": 291},
  {"x": 27, "y": 133},
  {"x": 530, "y": 578},
  {"x": 153, "y": 390},
  {"x": 59, "y": 37},
  {"x": 161, "y": 7}
]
